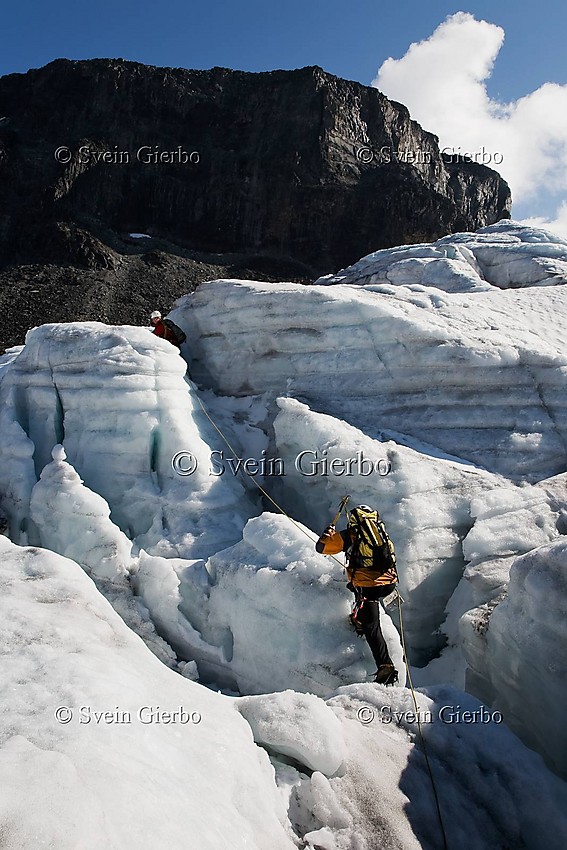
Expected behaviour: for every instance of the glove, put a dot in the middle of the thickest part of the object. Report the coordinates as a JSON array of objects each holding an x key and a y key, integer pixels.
[
  {"x": 329, "y": 530},
  {"x": 350, "y": 586}
]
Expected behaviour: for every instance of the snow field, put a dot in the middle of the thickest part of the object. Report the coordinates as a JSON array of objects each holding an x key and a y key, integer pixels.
[
  {"x": 131, "y": 768},
  {"x": 116, "y": 782}
]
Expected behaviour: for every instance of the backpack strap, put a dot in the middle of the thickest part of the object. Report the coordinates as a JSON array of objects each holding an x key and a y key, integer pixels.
[{"x": 355, "y": 548}]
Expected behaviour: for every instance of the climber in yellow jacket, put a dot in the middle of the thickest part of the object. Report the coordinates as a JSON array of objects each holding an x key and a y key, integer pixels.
[{"x": 371, "y": 570}]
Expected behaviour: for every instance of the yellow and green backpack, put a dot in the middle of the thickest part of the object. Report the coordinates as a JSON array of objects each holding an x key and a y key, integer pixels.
[{"x": 372, "y": 549}]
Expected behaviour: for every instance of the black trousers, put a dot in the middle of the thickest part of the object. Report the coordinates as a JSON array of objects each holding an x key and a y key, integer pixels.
[{"x": 369, "y": 618}]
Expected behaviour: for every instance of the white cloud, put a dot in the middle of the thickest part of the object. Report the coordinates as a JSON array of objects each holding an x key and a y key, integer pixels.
[
  {"x": 558, "y": 225},
  {"x": 442, "y": 81}
]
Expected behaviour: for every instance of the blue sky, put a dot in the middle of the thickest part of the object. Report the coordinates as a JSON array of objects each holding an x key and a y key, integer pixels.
[
  {"x": 351, "y": 40},
  {"x": 348, "y": 39}
]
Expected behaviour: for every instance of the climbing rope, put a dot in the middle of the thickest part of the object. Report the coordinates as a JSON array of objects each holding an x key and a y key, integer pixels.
[
  {"x": 259, "y": 486},
  {"x": 421, "y": 735},
  {"x": 402, "y": 634}
]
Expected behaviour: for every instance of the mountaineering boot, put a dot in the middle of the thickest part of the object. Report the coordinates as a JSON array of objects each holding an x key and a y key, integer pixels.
[{"x": 386, "y": 674}]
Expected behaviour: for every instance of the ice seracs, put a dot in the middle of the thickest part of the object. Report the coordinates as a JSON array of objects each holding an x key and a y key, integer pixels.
[
  {"x": 73, "y": 521},
  {"x": 518, "y": 661},
  {"x": 117, "y": 399},
  {"x": 450, "y": 367},
  {"x": 111, "y": 500},
  {"x": 269, "y": 590},
  {"x": 506, "y": 254},
  {"x": 444, "y": 516}
]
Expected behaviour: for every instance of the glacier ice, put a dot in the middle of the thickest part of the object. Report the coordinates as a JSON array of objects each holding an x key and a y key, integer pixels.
[
  {"x": 505, "y": 254},
  {"x": 441, "y": 514},
  {"x": 448, "y": 362},
  {"x": 118, "y": 401},
  {"x": 273, "y": 590},
  {"x": 113, "y": 777},
  {"x": 460, "y": 372},
  {"x": 75, "y": 522},
  {"x": 519, "y": 662},
  {"x": 114, "y": 782},
  {"x": 484, "y": 778},
  {"x": 297, "y": 725},
  {"x": 123, "y": 456}
]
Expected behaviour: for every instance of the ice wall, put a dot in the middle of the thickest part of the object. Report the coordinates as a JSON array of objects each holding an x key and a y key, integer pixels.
[
  {"x": 481, "y": 375},
  {"x": 118, "y": 401},
  {"x": 508, "y": 522},
  {"x": 266, "y": 614},
  {"x": 98, "y": 414},
  {"x": 444, "y": 516},
  {"x": 518, "y": 655}
]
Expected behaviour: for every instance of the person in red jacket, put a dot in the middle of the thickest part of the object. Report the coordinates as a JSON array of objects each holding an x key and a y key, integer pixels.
[
  {"x": 161, "y": 329},
  {"x": 371, "y": 578}
]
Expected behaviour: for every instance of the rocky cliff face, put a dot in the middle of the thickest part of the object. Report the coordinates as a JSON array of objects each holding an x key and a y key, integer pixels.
[{"x": 297, "y": 164}]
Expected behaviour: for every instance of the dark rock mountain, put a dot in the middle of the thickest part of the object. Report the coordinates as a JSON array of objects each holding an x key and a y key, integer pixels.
[{"x": 294, "y": 167}]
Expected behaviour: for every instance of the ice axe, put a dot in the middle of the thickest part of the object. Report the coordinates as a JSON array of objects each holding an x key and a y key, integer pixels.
[{"x": 342, "y": 506}]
